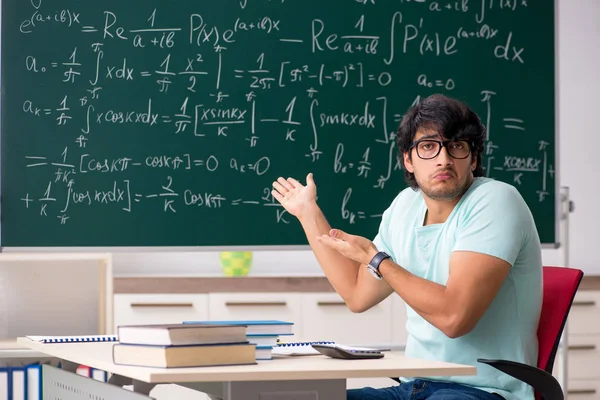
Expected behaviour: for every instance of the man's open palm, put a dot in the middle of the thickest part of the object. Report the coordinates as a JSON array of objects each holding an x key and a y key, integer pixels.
[{"x": 294, "y": 196}]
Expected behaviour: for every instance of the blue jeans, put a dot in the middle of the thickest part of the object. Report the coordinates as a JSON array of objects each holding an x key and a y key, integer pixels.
[{"x": 420, "y": 389}]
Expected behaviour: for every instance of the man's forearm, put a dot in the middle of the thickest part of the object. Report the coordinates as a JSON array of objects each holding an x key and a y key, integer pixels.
[
  {"x": 342, "y": 272},
  {"x": 428, "y": 299}
]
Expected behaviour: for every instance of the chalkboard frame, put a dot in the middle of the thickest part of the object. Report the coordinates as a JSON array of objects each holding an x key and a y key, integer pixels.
[{"x": 558, "y": 197}]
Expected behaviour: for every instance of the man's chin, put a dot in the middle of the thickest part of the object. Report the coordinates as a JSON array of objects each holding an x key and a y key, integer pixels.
[
  {"x": 444, "y": 192},
  {"x": 443, "y": 196}
]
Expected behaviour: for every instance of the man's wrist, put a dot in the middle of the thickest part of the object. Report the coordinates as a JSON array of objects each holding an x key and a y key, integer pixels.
[
  {"x": 385, "y": 266},
  {"x": 370, "y": 255},
  {"x": 310, "y": 214}
]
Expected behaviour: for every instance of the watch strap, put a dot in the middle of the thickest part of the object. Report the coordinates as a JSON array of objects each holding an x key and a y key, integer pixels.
[{"x": 378, "y": 259}]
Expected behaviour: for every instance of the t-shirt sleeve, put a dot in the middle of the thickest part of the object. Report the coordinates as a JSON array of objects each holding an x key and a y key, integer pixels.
[{"x": 494, "y": 224}]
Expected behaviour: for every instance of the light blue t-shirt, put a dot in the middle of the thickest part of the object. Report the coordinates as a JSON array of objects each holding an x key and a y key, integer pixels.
[{"x": 490, "y": 218}]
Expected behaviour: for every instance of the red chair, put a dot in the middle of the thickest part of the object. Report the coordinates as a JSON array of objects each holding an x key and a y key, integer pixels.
[{"x": 560, "y": 286}]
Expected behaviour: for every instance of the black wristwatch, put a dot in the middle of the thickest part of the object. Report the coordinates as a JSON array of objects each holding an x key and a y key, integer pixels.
[{"x": 373, "y": 266}]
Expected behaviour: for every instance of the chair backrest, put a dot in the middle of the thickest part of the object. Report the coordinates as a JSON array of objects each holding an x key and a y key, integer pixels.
[{"x": 560, "y": 286}]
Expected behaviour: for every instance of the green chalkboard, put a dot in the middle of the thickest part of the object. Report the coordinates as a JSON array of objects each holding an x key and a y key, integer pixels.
[{"x": 164, "y": 122}]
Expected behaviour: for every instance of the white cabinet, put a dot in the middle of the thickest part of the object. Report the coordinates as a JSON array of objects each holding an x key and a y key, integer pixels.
[
  {"x": 325, "y": 316},
  {"x": 584, "y": 357},
  {"x": 583, "y": 318},
  {"x": 138, "y": 309},
  {"x": 584, "y": 347},
  {"x": 316, "y": 316},
  {"x": 583, "y": 390},
  {"x": 241, "y": 306}
]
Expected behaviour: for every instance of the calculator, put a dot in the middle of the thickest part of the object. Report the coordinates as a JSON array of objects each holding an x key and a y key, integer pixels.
[{"x": 347, "y": 352}]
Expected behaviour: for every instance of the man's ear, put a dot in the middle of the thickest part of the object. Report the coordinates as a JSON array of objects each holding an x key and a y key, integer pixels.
[{"x": 408, "y": 163}]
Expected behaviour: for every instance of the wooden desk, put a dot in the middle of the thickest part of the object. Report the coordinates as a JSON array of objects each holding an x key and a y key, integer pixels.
[{"x": 308, "y": 377}]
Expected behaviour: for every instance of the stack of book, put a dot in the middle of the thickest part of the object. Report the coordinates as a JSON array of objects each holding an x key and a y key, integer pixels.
[
  {"x": 265, "y": 334},
  {"x": 183, "y": 345}
]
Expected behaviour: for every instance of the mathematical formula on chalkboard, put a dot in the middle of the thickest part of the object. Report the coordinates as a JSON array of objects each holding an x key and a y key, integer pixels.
[{"x": 178, "y": 113}]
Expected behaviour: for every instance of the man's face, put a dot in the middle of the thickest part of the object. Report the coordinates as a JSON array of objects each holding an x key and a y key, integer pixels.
[{"x": 442, "y": 177}]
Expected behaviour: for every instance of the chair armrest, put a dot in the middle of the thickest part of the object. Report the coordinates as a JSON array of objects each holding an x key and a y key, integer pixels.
[{"x": 541, "y": 381}]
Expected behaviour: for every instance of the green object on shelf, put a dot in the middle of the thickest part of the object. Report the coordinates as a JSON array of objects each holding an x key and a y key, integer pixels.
[{"x": 236, "y": 263}]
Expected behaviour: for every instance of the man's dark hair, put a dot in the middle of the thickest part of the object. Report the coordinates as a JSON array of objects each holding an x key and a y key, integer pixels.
[{"x": 452, "y": 119}]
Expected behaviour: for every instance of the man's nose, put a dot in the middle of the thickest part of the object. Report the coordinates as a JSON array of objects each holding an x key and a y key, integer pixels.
[{"x": 444, "y": 157}]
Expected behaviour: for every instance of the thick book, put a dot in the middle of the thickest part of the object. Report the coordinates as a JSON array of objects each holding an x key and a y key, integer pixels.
[
  {"x": 256, "y": 326},
  {"x": 184, "y": 356},
  {"x": 264, "y": 353},
  {"x": 181, "y": 334},
  {"x": 263, "y": 340}
]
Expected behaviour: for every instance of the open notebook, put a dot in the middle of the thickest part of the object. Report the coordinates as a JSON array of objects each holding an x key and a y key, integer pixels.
[
  {"x": 74, "y": 339},
  {"x": 306, "y": 349},
  {"x": 296, "y": 348}
]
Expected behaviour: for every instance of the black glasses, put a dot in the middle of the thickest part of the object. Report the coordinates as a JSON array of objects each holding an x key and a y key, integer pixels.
[{"x": 429, "y": 148}]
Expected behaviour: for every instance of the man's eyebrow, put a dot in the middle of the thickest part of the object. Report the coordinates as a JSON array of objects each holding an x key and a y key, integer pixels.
[{"x": 431, "y": 136}]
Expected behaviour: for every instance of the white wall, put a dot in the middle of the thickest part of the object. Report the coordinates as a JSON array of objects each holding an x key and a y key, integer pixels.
[
  {"x": 579, "y": 86},
  {"x": 579, "y": 131}
]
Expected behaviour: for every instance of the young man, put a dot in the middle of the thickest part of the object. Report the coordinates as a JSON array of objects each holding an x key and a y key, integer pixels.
[{"x": 460, "y": 249}]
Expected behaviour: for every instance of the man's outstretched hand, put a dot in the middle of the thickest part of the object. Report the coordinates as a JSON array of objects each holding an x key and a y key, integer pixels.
[
  {"x": 296, "y": 198},
  {"x": 354, "y": 247}
]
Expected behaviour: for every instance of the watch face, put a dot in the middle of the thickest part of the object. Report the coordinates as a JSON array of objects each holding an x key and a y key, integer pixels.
[{"x": 373, "y": 272}]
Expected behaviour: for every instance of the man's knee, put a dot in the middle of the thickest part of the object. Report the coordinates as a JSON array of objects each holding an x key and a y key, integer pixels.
[
  {"x": 353, "y": 394},
  {"x": 368, "y": 393}
]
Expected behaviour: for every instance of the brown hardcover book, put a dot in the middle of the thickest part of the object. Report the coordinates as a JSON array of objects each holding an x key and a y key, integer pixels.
[{"x": 184, "y": 356}]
